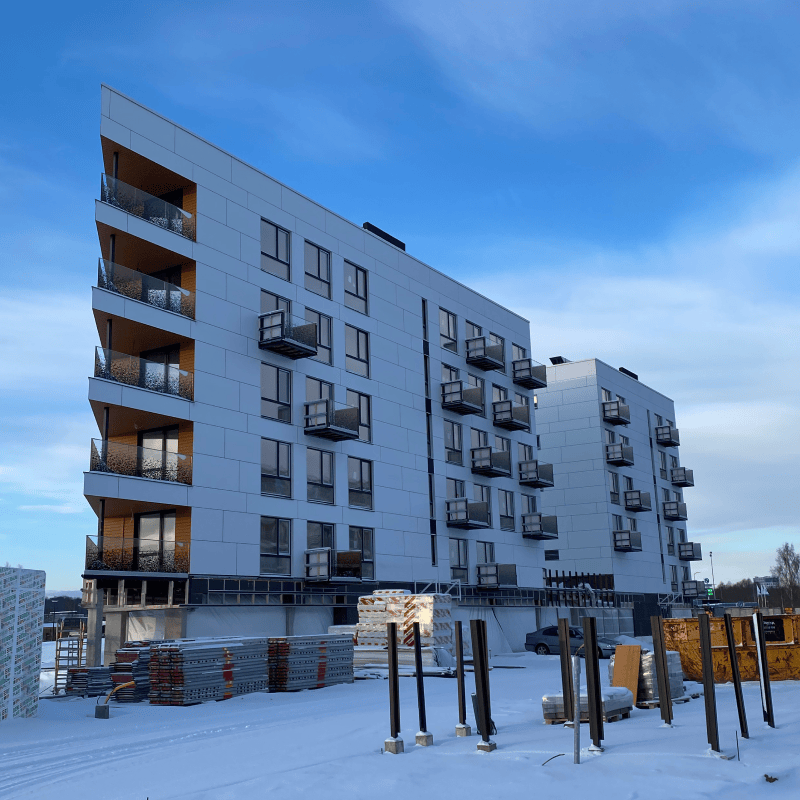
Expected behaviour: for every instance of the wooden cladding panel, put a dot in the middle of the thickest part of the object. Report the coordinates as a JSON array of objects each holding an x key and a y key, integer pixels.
[
  {"x": 183, "y": 525},
  {"x": 186, "y": 357},
  {"x": 127, "y": 438},
  {"x": 189, "y": 277},
  {"x": 190, "y": 201},
  {"x": 185, "y": 438}
]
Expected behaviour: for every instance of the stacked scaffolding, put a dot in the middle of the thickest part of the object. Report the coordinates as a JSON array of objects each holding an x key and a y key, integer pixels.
[
  {"x": 89, "y": 681},
  {"x": 132, "y": 665},
  {"x": 309, "y": 662}
]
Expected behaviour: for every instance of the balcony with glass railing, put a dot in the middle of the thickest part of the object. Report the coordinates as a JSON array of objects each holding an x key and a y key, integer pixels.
[
  {"x": 462, "y": 399},
  {"x": 147, "y": 207},
  {"x": 490, "y": 462},
  {"x": 286, "y": 335},
  {"x": 483, "y": 354},
  {"x": 674, "y": 510},
  {"x": 626, "y": 541},
  {"x": 463, "y": 513},
  {"x": 145, "y": 288},
  {"x": 694, "y": 589},
  {"x": 539, "y": 526},
  {"x": 616, "y": 413},
  {"x": 155, "y": 376},
  {"x": 136, "y": 555},
  {"x": 529, "y": 373},
  {"x": 330, "y": 420},
  {"x": 690, "y": 551},
  {"x": 140, "y": 462},
  {"x": 680, "y": 476},
  {"x": 636, "y": 500},
  {"x": 619, "y": 454},
  {"x": 326, "y": 564},
  {"x": 536, "y": 474},
  {"x": 511, "y": 416},
  {"x": 667, "y": 436},
  {"x": 496, "y": 576}
]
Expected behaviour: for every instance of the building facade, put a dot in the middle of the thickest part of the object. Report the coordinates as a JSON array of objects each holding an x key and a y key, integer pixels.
[{"x": 619, "y": 484}]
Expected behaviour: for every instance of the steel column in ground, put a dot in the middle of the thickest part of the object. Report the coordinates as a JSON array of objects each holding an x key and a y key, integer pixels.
[
  {"x": 480, "y": 662},
  {"x": 593, "y": 690},
  {"x": 763, "y": 670},
  {"x": 423, "y": 737},
  {"x": 462, "y": 729},
  {"x": 566, "y": 667},
  {"x": 662, "y": 670},
  {"x": 709, "y": 690},
  {"x": 737, "y": 679},
  {"x": 394, "y": 744}
]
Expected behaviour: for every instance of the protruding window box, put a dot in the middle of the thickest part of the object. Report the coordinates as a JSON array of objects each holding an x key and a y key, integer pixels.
[
  {"x": 667, "y": 436},
  {"x": 153, "y": 375},
  {"x": 282, "y": 334},
  {"x": 690, "y": 551},
  {"x": 490, "y": 462},
  {"x": 511, "y": 416},
  {"x": 674, "y": 510},
  {"x": 325, "y": 564},
  {"x": 497, "y": 576},
  {"x": 529, "y": 373},
  {"x": 140, "y": 462},
  {"x": 145, "y": 288},
  {"x": 463, "y": 513},
  {"x": 616, "y": 413},
  {"x": 694, "y": 589},
  {"x": 115, "y": 554},
  {"x": 637, "y": 501},
  {"x": 463, "y": 400},
  {"x": 536, "y": 474},
  {"x": 682, "y": 476},
  {"x": 485, "y": 356},
  {"x": 539, "y": 526},
  {"x": 620, "y": 454},
  {"x": 627, "y": 541},
  {"x": 324, "y": 420}
]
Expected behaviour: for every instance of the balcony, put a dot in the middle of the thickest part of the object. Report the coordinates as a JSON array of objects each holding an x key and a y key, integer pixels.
[
  {"x": 511, "y": 416},
  {"x": 463, "y": 513},
  {"x": 674, "y": 510},
  {"x": 145, "y": 288},
  {"x": 497, "y": 576},
  {"x": 485, "y": 356},
  {"x": 667, "y": 436},
  {"x": 529, "y": 373},
  {"x": 690, "y": 551},
  {"x": 288, "y": 336},
  {"x": 146, "y": 206},
  {"x": 536, "y": 474},
  {"x": 694, "y": 589},
  {"x": 490, "y": 462},
  {"x": 627, "y": 541},
  {"x": 136, "y": 555},
  {"x": 153, "y": 375},
  {"x": 324, "y": 419},
  {"x": 538, "y": 526},
  {"x": 463, "y": 401},
  {"x": 619, "y": 454},
  {"x": 616, "y": 413},
  {"x": 325, "y": 564},
  {"x": 637, "y": 501},
  {"x": 680, "y": 476},
  {"x": 140, "y": 462}
]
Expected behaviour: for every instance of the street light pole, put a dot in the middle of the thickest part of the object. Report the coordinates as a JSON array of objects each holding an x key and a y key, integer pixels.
[{"x": 713, "y": 582}]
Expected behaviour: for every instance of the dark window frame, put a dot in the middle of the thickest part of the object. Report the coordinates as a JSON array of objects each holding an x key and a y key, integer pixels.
[
  {"x": 352, "y": 299},
  {"x": 326, "y": 488},
  {"x": 449, "y": 321},
  {"x": 313, "y": 272},
  {"x": 361, "y": 356},
  {"x": 327, "y": 328},
  {"x": 284, "y": 405},
  {"x": 283, "y": 450},
  {"x": 358, "y": 535},
  {"x": 507, "y": 521},
  {"x": 283, "y": 549},
  {"x": 327, "y": 530},
  {"x": 454, "y": 454},
  {"x": 362, "y": 484},
  {"x": 362, "y": 400},
  {"x": 284, "y": 272}
]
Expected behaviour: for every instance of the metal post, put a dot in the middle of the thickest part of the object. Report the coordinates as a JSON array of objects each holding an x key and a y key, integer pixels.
[
  {"x": 662, "y": 670},
  {"x": 424, "y": 738},
  {"x": 112, "y": 249},
  {"x": 462, "y": 729},
  {"x": 576, "y": 705},
  {"x": 115, "y": 165},
  {"x": 593, "y": 691},
  {"x": 763, "y": 669},
  {"x": 566, "y": 667},
  {"x": 394, "y": 744},
  {"x": 736, "y": 677},
  {"x": 104, "y": 448},
  {"x": 709, "y": 691},
  {"x": 109, "y": 345},
  {"x": 478, "y": 629}
]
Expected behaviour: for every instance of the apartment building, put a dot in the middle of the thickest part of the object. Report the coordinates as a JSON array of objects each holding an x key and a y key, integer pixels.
[
  {"x": 618, "y": 480},
  {"x": 292, "y": 411}
]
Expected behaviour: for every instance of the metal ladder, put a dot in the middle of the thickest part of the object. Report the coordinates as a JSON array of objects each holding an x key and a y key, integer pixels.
[{"x": 70, "y": 652}]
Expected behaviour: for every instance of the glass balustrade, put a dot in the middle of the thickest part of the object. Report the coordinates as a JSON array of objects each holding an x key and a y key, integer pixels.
[
  {"x": 145, "y": 288},
  {"x": 153, "y": 375},
  {"x": 136, "y": 555},
  {"x": 140, "y": 462}
]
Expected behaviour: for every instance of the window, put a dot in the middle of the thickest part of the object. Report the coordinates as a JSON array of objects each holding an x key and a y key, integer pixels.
[
  {"x": 536, "y": 401},
  {"x": 478, "y": 438},
  {"x": 472, "y": 331},
  {"x": 274, "y": 250},
  {"x": 274, "y": 302},
  {"x": 276, "y": 546},
  {"x": 499, "y": 393},
  {"x": 482, "y": 494},
  {"x": 673, "y": 573},
  {"x": 154, "y": 536},
  {"x": 659, "y": 419},
  {"x": 670, "y": 541},
  {"x": 518, "y": 352},
  {"x": 499, "y": 340},
  {"x": 363, "y": 539},
  {"x": 458, "y": 559},
  {"x": 673, "y": 461},
  {"x": 323, "y": 324},
  {"x": 426, "y": 363},
  {"x": 525, "y": 452},
  {"x": 662, "y": 457},
  {"x": 686, "y": 574},
  {"x": 613, "y": 479},
  {"x": 477, "y": 383},
  {"x": 455, "y": 489},
  {"x": 448, "y": 331},
  {"x": 551, "y": 555},
  {"x": 318, "y": 270},
  {"x": 609, "y": 436},
  {"x": 502, "y": 444},
  {"x": 624, "y": 440},
  {"x": 424, "y": 319},
  {"x": 538, "y": 442},
  {"x": 362, "y": 403},
  {"x": 616, "y": 520},
  {"x": 453, "y": 446},
  {"x": 677, "y": 496},
  {"x": 620, "y": 399},
  {"x": 276, "y": 393},
  {"x": 356, "y": 347},
  {"x": 670, "y": 423},
  {"x": 606, "y": 395},
  {"x": 429, "y": 433},
  {"x": 276, "y": 468},
  {"x": 431, "y": 497},
  {"x": 359, "y": 482},
  {"x": 506, "y": 510},
  {"x": 320, "y": 534},
  {"x": 681, "y": 536},
  {"x": 665, "y": 495},
  {"x": 528, "y": 504},
  {"x": 355, "y": 287},
  {"x": 449, "y": 373},
  {"x": 318, "y": 390},
  {"x": 522, "y": 399},
  {"x": 632, "y": 524},
  {"x": 628, "y": 484},
  {"x": 319, "y": 476},
  {"x": 485, "y": 552}
]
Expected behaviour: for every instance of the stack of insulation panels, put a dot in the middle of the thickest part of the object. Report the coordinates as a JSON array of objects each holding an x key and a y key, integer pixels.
[
  {"x": 616, "y": 700},
  {"x": 372, "y": 656},
  {"x": 352, "y": 630},
  {"x": 185, "y": 672},
  {"x": 648, "y": 683},
  {"x": 372, "y": 619},
  {"x": 309, "y": 662},
  {"x": 132, "y": 664},
  {"x": 431, "y": 611}
]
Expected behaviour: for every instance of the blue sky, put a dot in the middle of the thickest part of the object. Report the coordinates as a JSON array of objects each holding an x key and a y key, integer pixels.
[{"x": 626, "y": 175}]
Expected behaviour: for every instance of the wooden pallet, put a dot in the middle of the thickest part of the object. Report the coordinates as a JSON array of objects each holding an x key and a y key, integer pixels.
[
  {"x": 615, "y": 717},
  {"x": 650, "y": 704}
]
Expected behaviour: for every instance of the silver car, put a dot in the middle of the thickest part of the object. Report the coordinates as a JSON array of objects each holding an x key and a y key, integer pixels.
[{"x": 545, "y": 641}]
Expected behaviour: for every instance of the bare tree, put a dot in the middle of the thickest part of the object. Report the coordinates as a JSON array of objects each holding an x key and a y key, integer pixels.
[{"x": 787, "y": 569}]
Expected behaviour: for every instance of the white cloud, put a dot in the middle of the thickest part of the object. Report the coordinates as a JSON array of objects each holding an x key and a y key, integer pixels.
[{"x": 62, "y": 509}]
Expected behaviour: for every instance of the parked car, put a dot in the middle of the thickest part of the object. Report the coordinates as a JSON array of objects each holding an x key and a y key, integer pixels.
[{"x": 545, "y": 641}]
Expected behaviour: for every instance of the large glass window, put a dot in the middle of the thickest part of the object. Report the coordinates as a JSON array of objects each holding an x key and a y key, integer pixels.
[
  {"x": 448, "y": 330},
  {"x": 478, "y": 383},
  {"x": 356, "y": 346},
  {"x": 452, "y": 442},
  {"x": 363, "y": 403},
  {"x": 485, "y": 551},
  {"x": 613, "y": 480},
  {"x": 458, "y": 560},
  {"x": 319, "y": 475},
  {"x": 518, "y": 352},
  {"x": 455, "y": 489},
  {"x": 276, "y": 546},
  {"x": 449, "y": 373},
  {"x": 363, "y": 539},
  {"x": 318, "y": 270},
  {"x": 274, "y": 250},
  {"x": 324, "y": 337},
  {"x": 478, "y": 438},
  {"x": 276, "y": 393},
  {"x": 482, "y": 494},
  {"x": 506, "y": 500},
  {"x": 528, "y": 504},
  {"x": 499, "y": 340},
  {"x": 154, "y": 543},
  {"x": 355, "y": 287},
  {"x": 276, "y": 468},
  {"x": 274, "y": 302},
  {"x": 526, "y": 452},
  {"x": 471, "y": 330},
  {"x": 670, "y": 541},
  {"x": 551, "y": 555},
  {"x": 359, "y": 482},
  {"x": 318, "y": 390},
  {"x": 499, "y": 393},
  {"x": 320, "y": 534}
]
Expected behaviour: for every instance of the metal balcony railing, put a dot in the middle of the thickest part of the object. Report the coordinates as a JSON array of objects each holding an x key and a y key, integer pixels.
[
  {"x": 627, "y": 541},
  {"x": 325, "y": 564},
  {"x": 682, "y": 477},
  {"x": 616, "y": 413},
  {"x": 621, "y": 454},
  {"x": 152, "y": 375},
  {"x": 485, "y": 356},
  {"x": 146, "y": 206},
  {"x": 694, "y": 589},
  {"x": 496, "y": 576},
  {"x": 690, "y": 551},
  {"x": 462, "y": 400},
  {"x": 539, "y": 526},
  {"x": 511, "y": 416},
  {"x": 289, "y": 336},
  {"x": 674, "y": 510},
  {"x": 636, "y": 500},
  {"x": 463, "y": 513},
  {"x": 667, "y": 436},
  {"x": 536, "y": 474},
  {"x": 136, "y": 555},
  {"x": 145, "y": 288},
  {"x": 529, "y": 373},
  {"x": 491, "y": 462},
  {"x": 325, "y": 419},
  {"x": 140, "y": 462}
]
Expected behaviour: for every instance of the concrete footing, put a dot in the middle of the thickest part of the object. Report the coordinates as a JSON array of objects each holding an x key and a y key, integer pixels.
[
  {"x": 463, "y": 730},
  {"x": 424, "y": 739},
  {"x": 486, "y": 747},
  {"x": 393, "y": 745}
]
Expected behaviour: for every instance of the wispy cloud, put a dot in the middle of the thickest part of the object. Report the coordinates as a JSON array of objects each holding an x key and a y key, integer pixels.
[{"x": 62, "y": 509}]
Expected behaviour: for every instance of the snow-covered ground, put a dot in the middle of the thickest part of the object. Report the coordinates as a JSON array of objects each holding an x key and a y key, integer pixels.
[{"x": 327, "y": 743}]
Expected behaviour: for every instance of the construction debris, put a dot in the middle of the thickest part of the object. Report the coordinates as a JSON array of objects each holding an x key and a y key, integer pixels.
[
  {"x": 617, "y": 704},
  {"x": 648, "y": 683}
]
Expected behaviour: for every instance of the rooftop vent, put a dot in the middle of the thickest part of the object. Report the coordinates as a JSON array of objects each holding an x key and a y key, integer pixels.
[
  {"x": 559, "y": 360},
  {"x": 368, "y": 226},
  {"x": 629, "y": 373}
]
